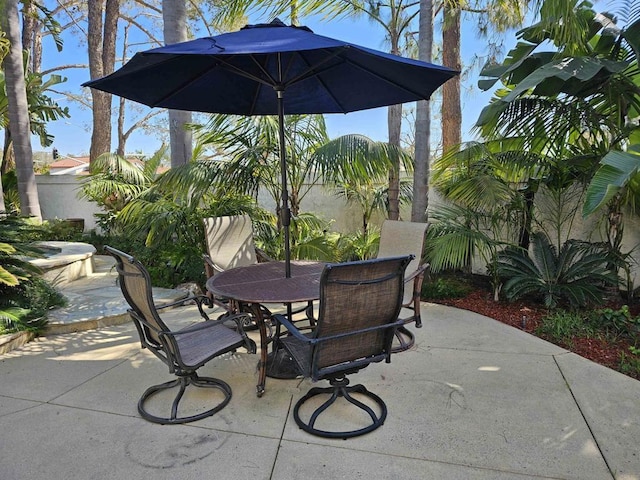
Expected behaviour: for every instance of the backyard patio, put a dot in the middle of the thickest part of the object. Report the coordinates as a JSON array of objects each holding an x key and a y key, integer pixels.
[{"x": 475, "y": 399}]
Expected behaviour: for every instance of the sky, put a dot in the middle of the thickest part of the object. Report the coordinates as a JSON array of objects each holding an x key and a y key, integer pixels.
[{"x": 72, "y": 136}]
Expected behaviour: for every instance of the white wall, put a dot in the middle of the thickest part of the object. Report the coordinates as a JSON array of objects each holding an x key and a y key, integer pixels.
[
  {"x": 58, "y": 199},
  {"x": 58, "y": 196}
]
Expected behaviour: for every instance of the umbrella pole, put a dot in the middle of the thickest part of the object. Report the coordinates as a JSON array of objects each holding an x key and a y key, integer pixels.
[{"x": 285, "y": 213}]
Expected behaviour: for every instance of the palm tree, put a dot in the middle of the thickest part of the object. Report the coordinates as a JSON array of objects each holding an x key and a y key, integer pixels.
[
  {"x": 4, "y": 49},
  {"x": 357, "y": 167},
  {"x": 174, "y": 17},
  {"x": 114, "y": 182},
  {"x": 250, "y": 145},
  {"x": 496, "y": 16},
  {"x": 422, "y": 153},
  {"x": 42, "y": 109},
  {"x": 18, "y": 109},
  {"x": 396, "y": 17}
]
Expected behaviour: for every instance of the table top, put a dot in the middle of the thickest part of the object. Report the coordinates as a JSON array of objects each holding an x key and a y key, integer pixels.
[{"x": 266, "y": 282}]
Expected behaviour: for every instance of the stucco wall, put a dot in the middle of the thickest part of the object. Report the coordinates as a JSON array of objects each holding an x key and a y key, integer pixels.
[
  {"x": 58, "y": 199},
  {"x": 58, "y": 196}
]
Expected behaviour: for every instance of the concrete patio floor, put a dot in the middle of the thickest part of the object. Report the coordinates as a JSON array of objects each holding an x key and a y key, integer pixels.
[{"x": 475, "y": 399}]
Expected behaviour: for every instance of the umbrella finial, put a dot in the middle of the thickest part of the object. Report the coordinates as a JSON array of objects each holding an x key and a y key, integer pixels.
[{"x": 276, "y": 22}]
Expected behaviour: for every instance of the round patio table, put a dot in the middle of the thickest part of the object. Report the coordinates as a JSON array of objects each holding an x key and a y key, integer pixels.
[{"x": 265, "y": 283}]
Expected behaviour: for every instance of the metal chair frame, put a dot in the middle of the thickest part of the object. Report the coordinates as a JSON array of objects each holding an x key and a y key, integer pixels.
[
  {"x": 184, "y": 350},
  {"x": 358, "y": 316}
]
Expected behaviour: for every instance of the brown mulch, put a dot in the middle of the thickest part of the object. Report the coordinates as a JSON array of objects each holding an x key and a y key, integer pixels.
[{"x": 527, "y": 317}]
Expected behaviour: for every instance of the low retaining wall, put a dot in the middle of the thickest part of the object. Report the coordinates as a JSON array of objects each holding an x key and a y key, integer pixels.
[{"x": 70, "y": 261}]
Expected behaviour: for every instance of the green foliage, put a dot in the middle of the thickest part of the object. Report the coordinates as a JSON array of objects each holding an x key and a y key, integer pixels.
[
  {"x": 42, "y": 108},
  {"x": 60, "y": 230},
  {"x": 11, "y": 194},
  {"x": 24, "y": 296},
  {"x": 169, "y": 264},
  {"x": 630, "y": 363},
  {"x": 455, "y": 235},
  {"x": 114, "y": 181},
  {"x": 618, "y": 323},
  {"x": 358, "y": 169},
  {"x": 618, "y": 174},
  {"x": 247, "y": 155},
  {"x": 562, "y": 326},
  {"x": 570, "y": 95},
  {"x": 576, "y": 274},
  {"x": 309, "y": 236},
  {"x": 358, "y": 245},
  {"x": 444, "y": 287}
]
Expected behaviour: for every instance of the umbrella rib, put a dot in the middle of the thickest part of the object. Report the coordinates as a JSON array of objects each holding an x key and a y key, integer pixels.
[
  {"x": 312, "y": 69},
  {"x": 385, "y": 79},
  {"x": 243, "y": 73}
]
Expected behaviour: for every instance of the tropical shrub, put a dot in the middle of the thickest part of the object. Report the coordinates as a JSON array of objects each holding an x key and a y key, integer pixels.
[
  {"x": 358, "y": 245},
  {"x": 575, "y": 275},
  {"x": 24, "y": 296},
  {"x": 114, "y": 181}
]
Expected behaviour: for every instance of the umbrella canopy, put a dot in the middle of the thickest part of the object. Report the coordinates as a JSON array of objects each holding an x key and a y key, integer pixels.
[{"x": 272, "y": 69}]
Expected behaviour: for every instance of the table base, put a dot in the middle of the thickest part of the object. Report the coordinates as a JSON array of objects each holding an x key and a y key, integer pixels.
[{"x": 281, "y": 365}]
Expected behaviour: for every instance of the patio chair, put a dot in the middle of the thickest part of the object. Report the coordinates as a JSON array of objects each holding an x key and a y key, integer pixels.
[
  {"x": 404, "y": 238},
  {"x": 358, "y": 314},
  {"x": 184, "y": 350},
  {"x": 230, "y": 244}
]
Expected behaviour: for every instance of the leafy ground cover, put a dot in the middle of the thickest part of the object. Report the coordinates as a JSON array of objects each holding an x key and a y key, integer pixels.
[{"x": 574, "y": 331}]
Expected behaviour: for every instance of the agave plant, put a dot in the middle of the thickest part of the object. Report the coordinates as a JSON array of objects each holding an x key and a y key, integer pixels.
[{"x": 576, "y": 274}]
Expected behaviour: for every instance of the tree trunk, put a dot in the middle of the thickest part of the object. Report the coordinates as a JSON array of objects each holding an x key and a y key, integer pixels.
[
  {"x": 3, "y": 207},
  {"x": 451, "y": 113},
  {"x": 394, "y": 123},
  {"x": 101, "y": 43},
  {"x": 29, "y": 22},
  {"x": 174, "y": 16},
  {"x": 8, "y": 160},
  {"x": 395, "y": 126},
  {"x": 19, "y": 112},
  {"x": 423, "y": 122}
]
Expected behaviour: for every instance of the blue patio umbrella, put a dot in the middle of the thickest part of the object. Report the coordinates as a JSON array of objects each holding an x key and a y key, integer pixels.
[{"x": 272, "y": 69}]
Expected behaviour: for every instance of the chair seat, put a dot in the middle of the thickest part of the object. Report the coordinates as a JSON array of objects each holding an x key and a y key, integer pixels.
[{"x": 196, "y": 346}]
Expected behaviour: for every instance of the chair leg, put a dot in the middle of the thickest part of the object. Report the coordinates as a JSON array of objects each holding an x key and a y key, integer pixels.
[
  {"x": 183, "y": 382},
  {"x": 339, "y": 388},
  {"x": 403, "y": 340}
]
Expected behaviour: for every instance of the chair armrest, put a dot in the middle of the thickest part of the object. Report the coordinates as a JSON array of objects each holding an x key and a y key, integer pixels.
[
  {"x": 414, "y": 303},
  {"x": 420, "y": 271},
  {"x": 296, "y": 333},
  {"x": 211, "y": 264},
  {"x": 291, "y": 328},
  {"x": 197, "y": 299},
  {"x": 262, "y": 256}
]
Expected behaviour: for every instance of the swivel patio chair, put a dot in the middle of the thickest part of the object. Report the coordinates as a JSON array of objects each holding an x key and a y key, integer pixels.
[
  {"x": 405, "y": 238},
  {"x": 357, "y": 318},
  {"x": 184, "y": 350},
  {"x": 230, "y": 244}
]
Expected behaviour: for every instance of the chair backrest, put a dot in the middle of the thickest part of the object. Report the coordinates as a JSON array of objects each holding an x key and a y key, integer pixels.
[
  {"x": 403, "y": 238},
  {"x": 230, "y": 241},
  {"x": 359, "y": 303},
  {"x": 135, "y": 284}
]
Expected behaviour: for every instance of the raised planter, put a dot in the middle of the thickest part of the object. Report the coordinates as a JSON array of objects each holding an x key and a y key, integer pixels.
[{"x": 66, "y": 261}]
